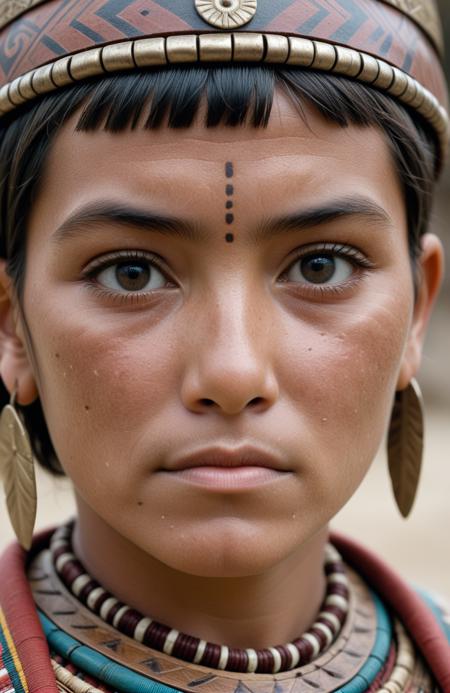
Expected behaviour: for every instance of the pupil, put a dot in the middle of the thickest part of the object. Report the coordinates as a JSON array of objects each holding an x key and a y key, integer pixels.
[
  {"x": 132, "y": 277},
  {"x": 318, "y": 270}
]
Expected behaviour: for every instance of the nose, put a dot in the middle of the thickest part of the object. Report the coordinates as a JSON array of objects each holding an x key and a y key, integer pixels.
[{"x": 229, "y": 365}]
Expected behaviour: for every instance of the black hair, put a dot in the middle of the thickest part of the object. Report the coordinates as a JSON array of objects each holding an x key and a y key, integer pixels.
[{"x": 173, "y": 97}]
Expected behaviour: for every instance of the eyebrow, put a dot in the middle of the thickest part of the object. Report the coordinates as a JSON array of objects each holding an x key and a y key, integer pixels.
[{"x": 105, "y": 213}]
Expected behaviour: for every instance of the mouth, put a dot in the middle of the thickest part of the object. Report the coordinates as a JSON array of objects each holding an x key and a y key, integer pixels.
[{"x": 227, "y": 469}]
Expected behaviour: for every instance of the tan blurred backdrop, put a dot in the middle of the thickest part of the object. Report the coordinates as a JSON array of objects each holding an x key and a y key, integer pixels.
[{"x": 420, "y": 546}]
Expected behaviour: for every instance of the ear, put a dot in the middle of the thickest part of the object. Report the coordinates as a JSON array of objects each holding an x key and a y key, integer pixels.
[
  {"x": 430, "y": 272},
  {"x": 15, "y": 368}
]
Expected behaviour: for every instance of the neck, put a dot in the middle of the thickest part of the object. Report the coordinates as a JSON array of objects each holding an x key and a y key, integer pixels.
[{"x": 257, "y": 611}]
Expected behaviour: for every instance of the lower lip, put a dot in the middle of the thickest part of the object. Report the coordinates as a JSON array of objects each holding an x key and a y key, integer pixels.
[{"x": 229, "y": 478}]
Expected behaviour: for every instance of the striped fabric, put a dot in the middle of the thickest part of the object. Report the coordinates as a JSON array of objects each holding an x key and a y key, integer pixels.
[{"x": 12, "y": 677}]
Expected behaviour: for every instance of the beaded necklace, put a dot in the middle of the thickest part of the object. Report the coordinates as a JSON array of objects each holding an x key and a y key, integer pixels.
[{"x": 143, "y": 629}]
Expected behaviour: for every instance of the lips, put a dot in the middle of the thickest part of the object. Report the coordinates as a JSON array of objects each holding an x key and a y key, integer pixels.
[{"x": 217, "y": 456}]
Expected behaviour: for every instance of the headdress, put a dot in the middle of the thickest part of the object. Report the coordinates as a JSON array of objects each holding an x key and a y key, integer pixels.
[{"x": 393, "y": 45}]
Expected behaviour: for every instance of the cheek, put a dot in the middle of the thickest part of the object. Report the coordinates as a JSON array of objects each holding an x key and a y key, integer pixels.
[
  {"x": 340, "y": 372},
  {"x": 105, "y": 384}
]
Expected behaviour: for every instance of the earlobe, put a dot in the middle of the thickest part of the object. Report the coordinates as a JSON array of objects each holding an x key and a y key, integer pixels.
[
  {"x": 15, "y": 368},
  {"x": 429, "y": 277}
]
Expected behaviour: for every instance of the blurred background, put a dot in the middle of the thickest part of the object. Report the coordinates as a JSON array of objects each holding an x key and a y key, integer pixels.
[{"x": 419, "y": 547}]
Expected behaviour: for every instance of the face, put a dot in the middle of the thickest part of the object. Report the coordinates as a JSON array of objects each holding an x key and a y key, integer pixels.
[{"x": 207, "y": 297}]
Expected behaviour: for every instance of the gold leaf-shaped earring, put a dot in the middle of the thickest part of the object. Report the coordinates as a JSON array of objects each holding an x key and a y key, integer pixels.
[
  {"x": 405, "y": 445},
  {"x": 17, "y": 463}
]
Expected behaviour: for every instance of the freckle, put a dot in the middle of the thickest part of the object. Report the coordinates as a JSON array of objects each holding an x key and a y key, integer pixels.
[
  {"x": 140, "y": 503},
  {"x": 57, "y": 356},
  {"x": 229, "y": 204},
  {"x": 229, "y": 218},
  {"x": 87, "y": 407},
  {"x": 309, "y": 348}
]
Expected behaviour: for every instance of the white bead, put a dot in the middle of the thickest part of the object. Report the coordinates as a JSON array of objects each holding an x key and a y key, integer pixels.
[
  {"x": 331, "y": 555},
  {"x": 200, "y": 651},
  {"x": 223, "y": 661},
  {"x": 326, "y": 631},
  {"x": 252, "y": 661},
  {"x": 338, "y": 577},
  {"x": 314, "y": 642},
  {"x": 140, "y": 629},
  {"x": 94, "y": 595},
  {"x": 170, "y": 641},
  {"x": 277, "y": 660},
  {"x": 295, "y": 655},
  {"x": 119, "y": 615},
  {"x": 107, "y": 606},
  {"x": 332, "y": 618},
  {"x": 337, "y": 600},
  {"x": 58, "y": 544},
  {"x": 63, "y": 559},
  {"x": 79, "y": 582}
]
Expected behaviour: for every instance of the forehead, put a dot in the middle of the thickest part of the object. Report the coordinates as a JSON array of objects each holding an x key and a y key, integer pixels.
[{"x": 305, "y": 158}]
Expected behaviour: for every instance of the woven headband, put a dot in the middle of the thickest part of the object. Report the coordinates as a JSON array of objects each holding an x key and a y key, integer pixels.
[{"x": 393, "y": 45}]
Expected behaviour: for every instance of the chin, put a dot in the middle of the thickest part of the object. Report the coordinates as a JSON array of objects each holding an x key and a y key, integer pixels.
[{"x": 222, "y": 549}]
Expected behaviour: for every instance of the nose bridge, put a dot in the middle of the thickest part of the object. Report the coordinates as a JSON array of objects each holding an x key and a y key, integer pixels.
[{"x": 230, "y": 362}]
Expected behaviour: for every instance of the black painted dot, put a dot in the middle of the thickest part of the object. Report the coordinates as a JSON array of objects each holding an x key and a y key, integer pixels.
[
  {"x": 229, "y": 190},
  {"x": 228, "y": 204},
  {"x": 229, "y": 238},
  {"x": 145, "y": 13},
  {"x": 229, "y": 218},
  {"x": 229, "y": 172}
]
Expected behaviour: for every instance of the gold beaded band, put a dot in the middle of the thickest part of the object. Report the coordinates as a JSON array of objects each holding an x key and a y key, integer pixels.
[{"x": 230, "y": 47}]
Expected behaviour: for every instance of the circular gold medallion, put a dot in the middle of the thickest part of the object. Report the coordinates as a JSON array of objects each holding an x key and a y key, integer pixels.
[{"x": 226, "y": 14}]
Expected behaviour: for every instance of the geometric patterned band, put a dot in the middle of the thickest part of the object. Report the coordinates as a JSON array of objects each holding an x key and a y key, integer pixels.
[
  {"x": 422, "y": 12},
  {"x": 393, "y": 45}
]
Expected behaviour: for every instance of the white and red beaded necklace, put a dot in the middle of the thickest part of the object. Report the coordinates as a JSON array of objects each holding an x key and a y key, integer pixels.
[{"x": 130, "y": 622}]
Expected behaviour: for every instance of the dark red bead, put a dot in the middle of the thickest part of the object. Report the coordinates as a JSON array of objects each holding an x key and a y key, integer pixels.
[{"x": 211, "y": 656}]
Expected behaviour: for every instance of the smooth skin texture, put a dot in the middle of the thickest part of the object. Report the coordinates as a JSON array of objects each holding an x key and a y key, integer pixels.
[{"x": 226, "y": 345}]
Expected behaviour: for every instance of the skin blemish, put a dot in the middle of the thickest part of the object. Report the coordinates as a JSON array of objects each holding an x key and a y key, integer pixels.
[
  {"x": 87, "y": 407},
  {"x": 57, "y": 356},
  {"x": 140, "y": 503}
]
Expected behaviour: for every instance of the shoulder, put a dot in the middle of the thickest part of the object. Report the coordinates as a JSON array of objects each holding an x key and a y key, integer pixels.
[{"x": 440, "y": 607}]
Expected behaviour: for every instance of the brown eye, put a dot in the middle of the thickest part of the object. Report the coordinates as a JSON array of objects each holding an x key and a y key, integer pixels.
[
  {"x": 319, "y": 268},
  {"x": 131, "y": 276}
]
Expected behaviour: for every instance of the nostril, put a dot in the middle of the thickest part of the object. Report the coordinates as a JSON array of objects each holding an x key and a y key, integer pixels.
[
  {"x": 207, "y": 402},
  {"x": 256, "y": 401}
]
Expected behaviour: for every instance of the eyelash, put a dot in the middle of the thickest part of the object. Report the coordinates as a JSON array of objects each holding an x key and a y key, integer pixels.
[
  {"x": 355, "y": 256},
  {"x": 360, "y": 261}
]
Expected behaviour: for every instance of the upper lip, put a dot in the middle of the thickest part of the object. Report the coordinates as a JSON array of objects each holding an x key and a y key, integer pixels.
[{"x": 218, "y": 456}]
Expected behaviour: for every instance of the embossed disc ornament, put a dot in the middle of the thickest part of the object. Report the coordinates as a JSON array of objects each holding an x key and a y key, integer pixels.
[{"x": 226, "y": 14}]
